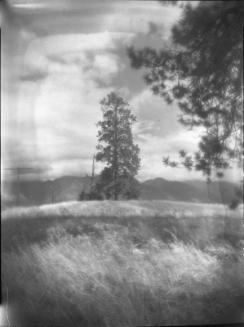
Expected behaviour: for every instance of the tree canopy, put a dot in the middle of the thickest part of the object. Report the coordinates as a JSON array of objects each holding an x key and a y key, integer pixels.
[
  {"x": 117, "y": 149},
  {"x": 201, "y": 68}
]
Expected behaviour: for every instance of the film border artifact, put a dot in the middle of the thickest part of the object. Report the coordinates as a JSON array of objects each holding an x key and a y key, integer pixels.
[{"x": 122, "y": 163}]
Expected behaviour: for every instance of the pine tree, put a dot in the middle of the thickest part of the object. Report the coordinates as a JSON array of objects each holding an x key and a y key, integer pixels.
[
  {"x": 116, "y": 148},
  {"x": 201, "y": 69}
]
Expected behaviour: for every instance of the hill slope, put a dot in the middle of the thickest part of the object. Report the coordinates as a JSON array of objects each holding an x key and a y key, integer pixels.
[{"x": 194, "y": 191}]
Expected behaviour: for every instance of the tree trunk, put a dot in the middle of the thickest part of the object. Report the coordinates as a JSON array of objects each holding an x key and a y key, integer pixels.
[{"x": 115, "y": 163}]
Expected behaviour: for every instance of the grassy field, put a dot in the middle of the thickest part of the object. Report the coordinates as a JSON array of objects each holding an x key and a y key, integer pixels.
[{"x": 122, "y": 264}]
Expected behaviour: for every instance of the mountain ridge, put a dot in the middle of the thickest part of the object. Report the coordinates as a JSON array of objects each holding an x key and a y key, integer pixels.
[{"x": 68, "y": 188}]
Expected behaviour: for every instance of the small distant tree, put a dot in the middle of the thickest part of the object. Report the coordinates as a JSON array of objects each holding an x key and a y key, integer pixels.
[
  {"x": 82, "y": 196},
  {"x": 117, "y": 149}
]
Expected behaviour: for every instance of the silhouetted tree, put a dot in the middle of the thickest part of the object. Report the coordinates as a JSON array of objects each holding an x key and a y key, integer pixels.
[
  {"x": 117, "y": 149},
  {"x": 201, "y": 68}
]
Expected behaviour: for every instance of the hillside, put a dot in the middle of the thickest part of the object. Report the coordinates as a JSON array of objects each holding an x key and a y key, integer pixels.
[
  {"x": 193, "y": 191},
  {"x": 68, "y": 188},
  {"x": 107, "y": 263}
]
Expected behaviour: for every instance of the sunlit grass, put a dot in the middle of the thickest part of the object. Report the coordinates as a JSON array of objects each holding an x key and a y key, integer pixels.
[{"x": 123, "y": 271}]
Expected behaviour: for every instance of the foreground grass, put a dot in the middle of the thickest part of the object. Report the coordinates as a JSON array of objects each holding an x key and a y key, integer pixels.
[{"x": 122, "y": 271}]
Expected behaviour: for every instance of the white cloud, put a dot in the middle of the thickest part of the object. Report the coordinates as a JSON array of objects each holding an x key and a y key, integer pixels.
[
  {"x": 154, "y": 115},
  {"x": 91, "y": 51},
  {"x": 106, "y": 65},
  {"x": 154, "y": 148},
  {"x": 153, "y": 167},
  {"x": 171, "y": 144},
  {"x": 60, "y": 44},
  {"x": 55, "y": 118},
  {"x": 67, "y": 116}
]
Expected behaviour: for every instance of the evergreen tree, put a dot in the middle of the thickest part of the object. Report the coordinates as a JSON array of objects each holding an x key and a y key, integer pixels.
[
  {"x": 117, "y": 149},
  {"x": 201, "y": 69}
]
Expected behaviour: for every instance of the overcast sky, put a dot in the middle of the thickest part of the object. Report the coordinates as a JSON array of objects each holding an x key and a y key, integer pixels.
[{"x": 59, "y": 59}]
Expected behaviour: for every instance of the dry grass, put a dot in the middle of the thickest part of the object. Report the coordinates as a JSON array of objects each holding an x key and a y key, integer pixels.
[
  {"x": 143, "y": 208},
  {"x": 91, "y": 270}
]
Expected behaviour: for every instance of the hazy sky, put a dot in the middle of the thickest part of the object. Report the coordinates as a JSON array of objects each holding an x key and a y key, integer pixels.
[{"x": 59, "y": 59}]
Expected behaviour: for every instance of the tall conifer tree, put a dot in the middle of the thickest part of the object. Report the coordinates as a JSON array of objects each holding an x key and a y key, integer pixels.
[{"x": 117, "y": 149}]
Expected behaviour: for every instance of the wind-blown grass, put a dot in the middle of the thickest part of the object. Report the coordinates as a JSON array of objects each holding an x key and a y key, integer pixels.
[{"x": 122, "y": 271}]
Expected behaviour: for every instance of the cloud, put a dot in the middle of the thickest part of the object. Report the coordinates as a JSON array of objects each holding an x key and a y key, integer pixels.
[
  {"x": 61, "y": 44},
  {"x": 55, "y": 119},
  {"x": 56, "y": 5},
  {"x": 136, "y": 16},
  {"x": 66, "y": 110},
  {"x": 154, "y": 148},
  {"x": 153, "y": 28},
  {"x": 33, "y": 76},
  {"x": 154, "y": 116},
  {"x": 93, "y": 52},
  {"x": 61, "y": 111},
  {"x": 62, "y": 16},
  {"x": 75, "y": 59},
  {"x": 106, "y": 64},
  {"x": 154, "y": 168},
  {"x": 57, "y": 59}
]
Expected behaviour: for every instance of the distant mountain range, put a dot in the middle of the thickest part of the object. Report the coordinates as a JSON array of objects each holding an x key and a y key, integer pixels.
[
  {"x": 190, "y": 191},
  {"x": 68, "y": 188}
]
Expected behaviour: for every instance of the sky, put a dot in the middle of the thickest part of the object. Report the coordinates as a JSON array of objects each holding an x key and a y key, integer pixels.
[{"x": 59, "y": 59}]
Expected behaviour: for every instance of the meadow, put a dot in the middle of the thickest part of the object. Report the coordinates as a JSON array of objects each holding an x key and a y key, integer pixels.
[{"x": 134, "y": 263}]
